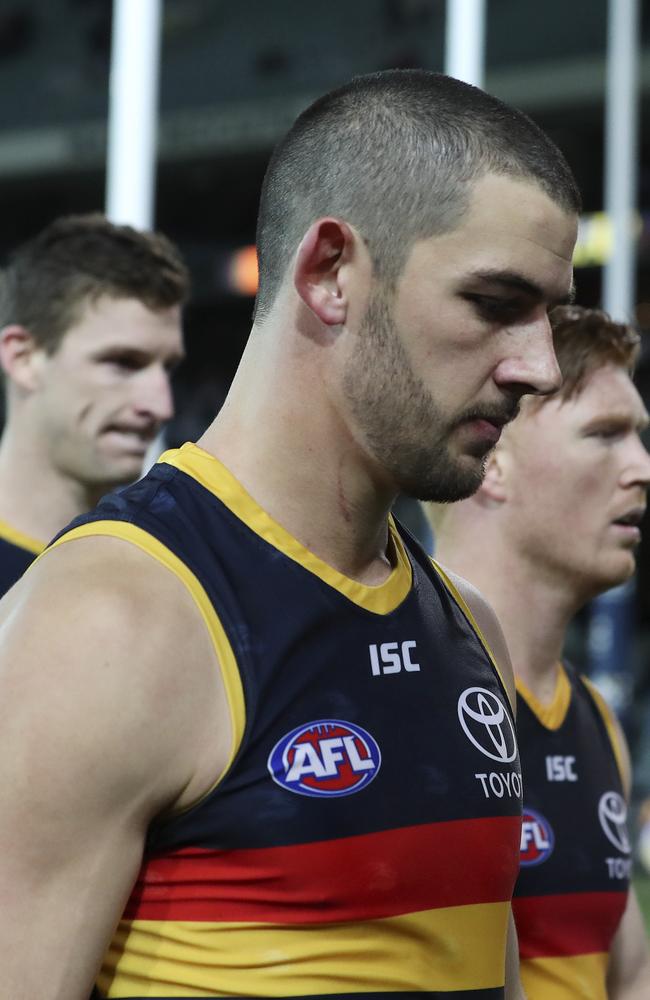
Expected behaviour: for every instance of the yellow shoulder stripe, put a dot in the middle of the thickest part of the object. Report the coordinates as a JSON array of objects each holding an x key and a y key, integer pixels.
[
  {"x": 20, "y": 539},
  {"x": 224, "y": 652},
  {"x": 464, "y": 607},
  {"x": 612, "y": 730}
]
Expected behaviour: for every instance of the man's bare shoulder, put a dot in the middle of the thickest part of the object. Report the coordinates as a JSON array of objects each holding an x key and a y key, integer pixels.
[
  {"x": 109, "y": 637},
  {"x": 109, "y": 715},
  {"x": 489, "y": 626}
]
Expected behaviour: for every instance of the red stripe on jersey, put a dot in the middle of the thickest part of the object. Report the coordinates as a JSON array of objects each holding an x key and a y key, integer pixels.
[
  {"x": 576, "y": 923},
  {"x": 352, "y": 878}
]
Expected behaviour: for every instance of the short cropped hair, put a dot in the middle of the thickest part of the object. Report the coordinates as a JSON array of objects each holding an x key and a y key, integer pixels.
[
  {"x": 585, "y": 340},
  {"x": 78, "y": 258},
  {"x": 394, "y": 154}
]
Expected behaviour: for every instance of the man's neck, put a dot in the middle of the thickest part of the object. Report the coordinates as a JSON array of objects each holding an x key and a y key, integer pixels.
[
  {"x": 534, "y": 611},
  {"x": 292, "y": 452},
  {"x": 35, "y": 498}
]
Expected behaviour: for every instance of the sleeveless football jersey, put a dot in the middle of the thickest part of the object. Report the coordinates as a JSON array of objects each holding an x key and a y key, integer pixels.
[
  {"x": 17, "y": 552},
  {"x": 364, "y": 838},
  {"x": 575, "y": 852}
]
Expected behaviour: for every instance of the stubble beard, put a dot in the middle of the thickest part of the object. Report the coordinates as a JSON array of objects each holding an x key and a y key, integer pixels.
[{"x": 402, "y": 426}]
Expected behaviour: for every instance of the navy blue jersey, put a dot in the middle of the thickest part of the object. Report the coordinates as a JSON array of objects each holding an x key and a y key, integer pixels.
[
  {"x": 575, "y": 852},
  {"x": 17, "y": 552},
  {"x": 364, "y": 837}
]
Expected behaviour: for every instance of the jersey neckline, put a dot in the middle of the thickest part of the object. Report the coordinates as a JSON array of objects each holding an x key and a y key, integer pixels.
[
  {"x": 212, "y": 474},
  {"x": 552, "y": 715}
]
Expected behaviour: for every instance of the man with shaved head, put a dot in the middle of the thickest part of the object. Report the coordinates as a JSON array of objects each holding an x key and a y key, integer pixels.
[{"x": 269, "y": 708}]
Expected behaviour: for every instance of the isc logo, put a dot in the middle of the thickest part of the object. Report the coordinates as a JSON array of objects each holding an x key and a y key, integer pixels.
[
  {"x": 537, "y": 839},
  {"x": 559, "y": 768},
  {"x": 325, "y": 758},
  {"x": 392, "y": 657}
]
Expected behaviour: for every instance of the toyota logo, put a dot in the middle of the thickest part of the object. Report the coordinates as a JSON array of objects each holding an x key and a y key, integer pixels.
[
  {"x": 612, "y": 813},
  {"x": 487, "y": 725}
]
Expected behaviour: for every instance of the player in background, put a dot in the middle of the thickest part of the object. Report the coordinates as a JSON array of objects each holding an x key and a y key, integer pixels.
[
  {"x": 555, "y": 522},
  {"x": 90, "y": 330}
]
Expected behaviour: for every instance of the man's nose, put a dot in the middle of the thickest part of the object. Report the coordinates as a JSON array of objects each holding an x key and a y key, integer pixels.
[
  {"x": 154, "y": 394},
  {"x": 530, "y": 367},
  {"x": 638, "y": 469}
]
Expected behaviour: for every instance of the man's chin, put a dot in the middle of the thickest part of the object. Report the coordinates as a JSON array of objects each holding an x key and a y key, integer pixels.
[
  {"x": 118, "y": 472},
  {"x": 454, "y": 481},
  {"x": 616, "y": 574}
]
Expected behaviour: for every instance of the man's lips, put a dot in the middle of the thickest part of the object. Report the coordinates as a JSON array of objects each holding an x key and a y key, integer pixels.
[
  {"x": 489, "y": 424},
  {"x": 629, "y": 521},
  {"x": 135, "y": 435},
  {"x": 487, "y": 429}
]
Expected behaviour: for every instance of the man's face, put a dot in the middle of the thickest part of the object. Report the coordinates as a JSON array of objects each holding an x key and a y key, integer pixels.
[
  {"x": 439, "y": 367},
  {"x": 577, "y": 475},
  {"x": 104, "y": 393}
]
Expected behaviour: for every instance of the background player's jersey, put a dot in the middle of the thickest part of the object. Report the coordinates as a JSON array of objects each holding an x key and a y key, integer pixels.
[
  {"x": 364, "y": 838},
  {"x": 17, "y": 552},
  {"x": 575, "y": 851}
]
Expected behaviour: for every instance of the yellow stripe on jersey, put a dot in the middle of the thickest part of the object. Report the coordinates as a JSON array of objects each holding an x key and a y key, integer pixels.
[
  {"x": 225, "y": 655},
  {"x": 21, "y": 540},
  {"x": 464, "y": 607},
  {"x": 572, "y": 977},
  {"x": 553, "y": 715},
  {"x": 612, "y": 730},
  {"x": 215, "y": 477},
  {"x": 430, "y": 950}
]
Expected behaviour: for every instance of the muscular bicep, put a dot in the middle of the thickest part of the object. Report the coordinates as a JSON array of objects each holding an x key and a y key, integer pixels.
[{"x": 91, "y": 751}]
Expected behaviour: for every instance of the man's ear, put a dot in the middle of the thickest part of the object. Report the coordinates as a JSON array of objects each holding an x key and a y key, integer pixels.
[
  {"x": 18, "y": 356},
  {"x": 325, "y": 248},
  {"x": 495, "y": 480}
]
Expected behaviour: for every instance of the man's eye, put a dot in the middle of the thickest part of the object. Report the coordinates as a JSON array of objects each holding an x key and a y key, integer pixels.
[
  {"x": 606, "y": 433},
  {"x": 492, "y": 308},
  {"x": 125, "y": 361}
]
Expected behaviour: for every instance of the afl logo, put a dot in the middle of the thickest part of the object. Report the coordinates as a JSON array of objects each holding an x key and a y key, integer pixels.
[
  {"x": 325, "y": 758},
  {"x": 612, "y": 813},
  {"x": 537, "y": 839},
  {"x": 487, "y": 724}
]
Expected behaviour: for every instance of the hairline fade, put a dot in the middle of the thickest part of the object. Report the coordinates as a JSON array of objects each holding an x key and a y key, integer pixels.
[{"x": 395, "y": 154}]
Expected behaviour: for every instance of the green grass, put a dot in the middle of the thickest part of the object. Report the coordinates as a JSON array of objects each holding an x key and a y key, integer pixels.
[{"x": 642, "y": 886}]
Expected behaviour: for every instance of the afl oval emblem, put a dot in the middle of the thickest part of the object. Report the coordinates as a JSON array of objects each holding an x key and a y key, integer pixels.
[
  {"x": 537, "y": 839},
  {"x": 325, "y": 758}
]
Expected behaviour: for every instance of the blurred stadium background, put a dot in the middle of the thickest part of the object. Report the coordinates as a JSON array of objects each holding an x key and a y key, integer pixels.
[{"x": 232, "y": 78}]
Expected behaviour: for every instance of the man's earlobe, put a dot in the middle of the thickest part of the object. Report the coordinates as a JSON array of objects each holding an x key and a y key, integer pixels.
[
  {"x": 18, "y": 355},
  {"x": 493, "y": 486},
  {"x": 325, "y": 248}
]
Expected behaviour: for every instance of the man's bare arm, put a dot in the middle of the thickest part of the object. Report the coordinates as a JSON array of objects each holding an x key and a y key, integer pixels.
[
  {"x": 628, "y": 974},
  {"x": 104, "y": 712},
  {"x": 491, "y": 630},
  {"x": 514, "y": 989}
]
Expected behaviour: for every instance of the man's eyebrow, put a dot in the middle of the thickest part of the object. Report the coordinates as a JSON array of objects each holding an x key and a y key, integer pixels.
[
  {"x": 620, "y": 419},
  {"x": 511, "y": 280}
]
